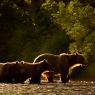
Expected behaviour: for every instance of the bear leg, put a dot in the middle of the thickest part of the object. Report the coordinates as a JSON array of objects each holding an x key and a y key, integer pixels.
[
  {"x": 50, "y": 76},
  {"x": 64, "y": 79},
  {"x": 35, "y": 80},
  {"x": 64, "y": 76}
]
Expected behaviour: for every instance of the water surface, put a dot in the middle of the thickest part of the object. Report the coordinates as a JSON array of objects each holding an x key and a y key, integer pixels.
[{"x": 58, "y": 88}]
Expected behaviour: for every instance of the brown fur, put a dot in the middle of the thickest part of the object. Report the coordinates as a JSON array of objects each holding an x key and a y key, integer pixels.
[
  {"x": 33, "y": 71},
  {"x": 5, "y": 74},
  {"x": 20, "y": 71},
  {"x": 61, "y": 63}
]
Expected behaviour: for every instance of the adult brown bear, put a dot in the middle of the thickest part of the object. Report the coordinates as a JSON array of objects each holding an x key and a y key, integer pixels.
[
  {"x": 61, "y": 63},
  {"x": 7, "y": 71},
  {"x": 27, "y": 70},
  {"x": 33, "y": 71},
  {"x": 19, "y": 72}
]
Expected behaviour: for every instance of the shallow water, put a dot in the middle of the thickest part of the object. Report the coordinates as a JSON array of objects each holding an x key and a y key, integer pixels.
[{"x": 58, "y": 88}]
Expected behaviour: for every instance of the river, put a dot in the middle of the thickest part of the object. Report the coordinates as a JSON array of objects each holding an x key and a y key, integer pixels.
[{"x": 57, "y": 88}]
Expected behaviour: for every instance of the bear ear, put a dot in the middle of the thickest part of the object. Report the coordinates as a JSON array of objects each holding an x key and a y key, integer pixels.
[
  {"x": 17, "y": 62},
  {"x": 45, "y": 61},
  {"x": 22, "y": 62}
]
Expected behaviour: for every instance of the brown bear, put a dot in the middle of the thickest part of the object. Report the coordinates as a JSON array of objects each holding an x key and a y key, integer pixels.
[
  {"x": 61, "y": 63},
  {"x": 19, "y": 72},
  {"x": 76, "y": 72},
  {"x": 5, "y": 74},
  {"x": 27, "y": 70}
]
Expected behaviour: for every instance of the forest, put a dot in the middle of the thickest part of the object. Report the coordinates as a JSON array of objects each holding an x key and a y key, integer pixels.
[{"x": 32, "y": 27}]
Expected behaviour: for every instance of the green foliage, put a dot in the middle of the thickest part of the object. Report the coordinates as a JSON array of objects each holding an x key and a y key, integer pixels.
[
  {"x": 29, "y": 35},
  {"x": 78, "y": 21}
]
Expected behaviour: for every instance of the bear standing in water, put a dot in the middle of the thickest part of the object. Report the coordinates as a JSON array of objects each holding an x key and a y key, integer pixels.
[
  {"x": 19, "y": 72},
  {"x": 27, "y": 70},
  {"x": 61, "y": 63},
  {"x": 7, "y": 71}
]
